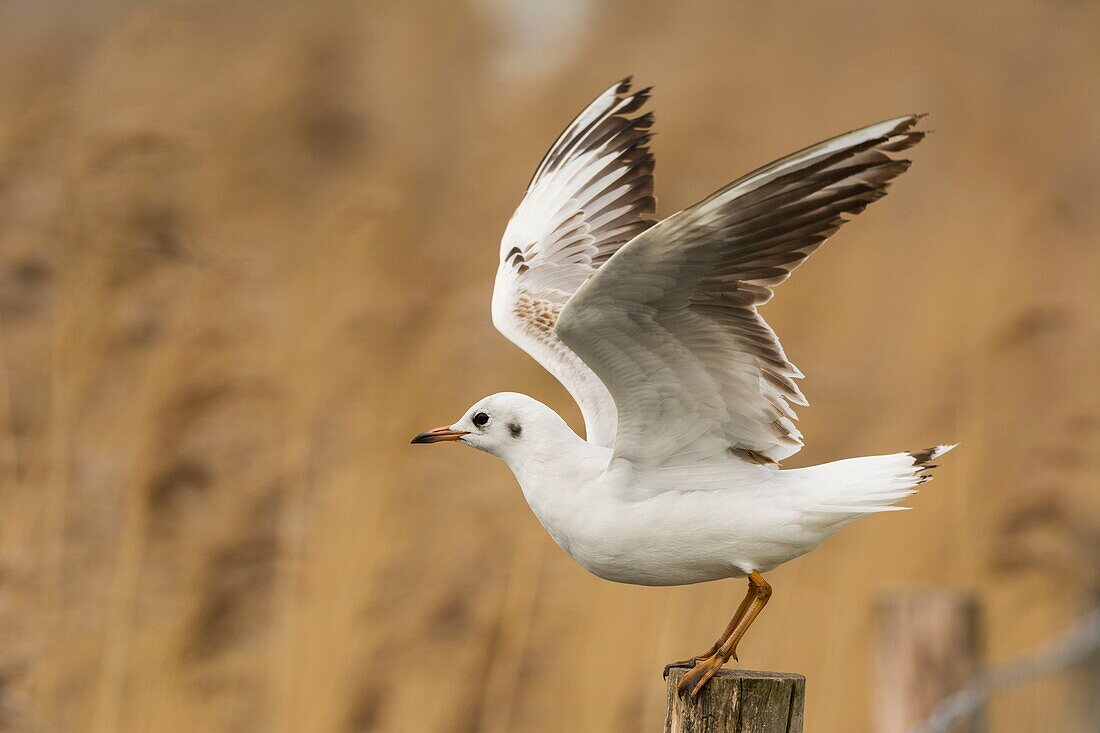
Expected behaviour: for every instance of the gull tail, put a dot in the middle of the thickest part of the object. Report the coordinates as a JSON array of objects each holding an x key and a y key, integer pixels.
[{"x": 858, "y": 486}]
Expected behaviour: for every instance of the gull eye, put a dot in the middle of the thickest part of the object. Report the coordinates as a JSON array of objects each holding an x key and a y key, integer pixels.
[{"x": 481, "y": 419}]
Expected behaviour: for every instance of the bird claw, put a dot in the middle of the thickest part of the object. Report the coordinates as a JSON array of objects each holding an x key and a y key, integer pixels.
[
  {"x": 682, "y": 664},
  {"x": 689, "y": 662},
  {"x": 696, "y": 678},
  {"x": 692, "y": 683}
]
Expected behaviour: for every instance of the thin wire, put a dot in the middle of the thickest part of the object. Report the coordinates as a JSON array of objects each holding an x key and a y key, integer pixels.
[{"x": 1077, "y": 645}]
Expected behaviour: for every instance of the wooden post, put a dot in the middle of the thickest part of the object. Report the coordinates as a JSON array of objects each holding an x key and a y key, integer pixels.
[
  {"x": 738, "y": 701},
  {"x": 927, "y": 646}
]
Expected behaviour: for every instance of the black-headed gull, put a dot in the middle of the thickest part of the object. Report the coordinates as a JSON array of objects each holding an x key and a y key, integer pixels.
[{"x": 685, "y": 390}]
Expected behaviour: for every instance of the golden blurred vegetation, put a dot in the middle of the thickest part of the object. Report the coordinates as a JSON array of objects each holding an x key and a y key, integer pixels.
[{"x": 246, "y": 252}]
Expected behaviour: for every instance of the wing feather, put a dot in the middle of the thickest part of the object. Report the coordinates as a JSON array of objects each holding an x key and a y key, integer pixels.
[
  {"x": 670, "y": 324},
  {"x": 592, "y": 192}
]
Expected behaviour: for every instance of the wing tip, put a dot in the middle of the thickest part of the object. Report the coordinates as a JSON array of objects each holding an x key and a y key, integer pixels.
[
  {"x": 623, "y": 91},
  {"x": 903, "y": 135},
  {"x": 622, "y": 87}
]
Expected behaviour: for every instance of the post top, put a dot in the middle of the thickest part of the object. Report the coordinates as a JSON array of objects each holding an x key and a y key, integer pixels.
[{"x": 744, "y": 674}]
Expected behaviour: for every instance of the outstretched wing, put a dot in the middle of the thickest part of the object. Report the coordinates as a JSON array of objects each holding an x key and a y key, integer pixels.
[
  {"x": 592, "y": 193},
  {"x": 670, "y": 323}
]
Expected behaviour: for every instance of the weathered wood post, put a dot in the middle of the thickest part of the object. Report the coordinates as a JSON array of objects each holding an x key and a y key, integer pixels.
[
  {"x": 927, "y": 646},
  {"x": 738, "y": 701}
]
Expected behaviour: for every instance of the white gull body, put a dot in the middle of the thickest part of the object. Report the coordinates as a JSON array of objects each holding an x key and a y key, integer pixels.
[
  {"x": 654, "y": 329},
  {"x": 677, "y": 525}
]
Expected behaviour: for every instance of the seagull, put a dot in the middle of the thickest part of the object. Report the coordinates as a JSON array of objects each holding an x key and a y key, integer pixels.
[{"x": 654, "y": 329}]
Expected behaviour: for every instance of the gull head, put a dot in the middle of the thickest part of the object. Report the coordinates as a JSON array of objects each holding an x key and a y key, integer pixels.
[{"x": 506, "y": 425}]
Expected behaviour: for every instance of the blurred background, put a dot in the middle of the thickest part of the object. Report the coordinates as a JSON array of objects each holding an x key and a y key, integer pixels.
[{"x": 246, "y": 252}]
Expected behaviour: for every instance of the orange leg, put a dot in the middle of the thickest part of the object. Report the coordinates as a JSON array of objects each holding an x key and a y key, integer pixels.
[
  {"x": 689, "y": 663},
  {"x": 698, "y": 676}
]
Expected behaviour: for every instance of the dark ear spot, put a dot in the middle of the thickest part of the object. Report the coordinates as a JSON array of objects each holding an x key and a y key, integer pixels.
[{"x": 515, "y": 429}]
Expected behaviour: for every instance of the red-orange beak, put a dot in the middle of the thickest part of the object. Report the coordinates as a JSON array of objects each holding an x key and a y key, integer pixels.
[{"x": 438, "y": 435}]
